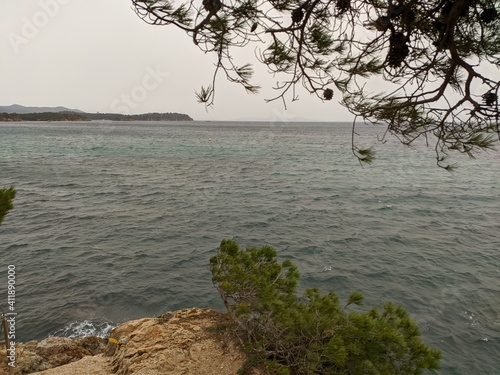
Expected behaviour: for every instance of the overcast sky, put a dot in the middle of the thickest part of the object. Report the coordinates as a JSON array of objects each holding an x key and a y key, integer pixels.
[{"x": 99, "y": 56}]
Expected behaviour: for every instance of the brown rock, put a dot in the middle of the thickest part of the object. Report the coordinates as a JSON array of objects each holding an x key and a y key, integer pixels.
[
  {"x": 185, "y": 342},
  {"x": 93, "y": 344},
  {"x": 89, "y": 365},
  {"x": 60, "y": 350},
  {"x": 53, "y": 351}
]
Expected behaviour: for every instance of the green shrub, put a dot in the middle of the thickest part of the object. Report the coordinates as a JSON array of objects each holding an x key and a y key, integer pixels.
[
  {"x": 313, "y": 334},
  {"x": 6, "y": 197}
]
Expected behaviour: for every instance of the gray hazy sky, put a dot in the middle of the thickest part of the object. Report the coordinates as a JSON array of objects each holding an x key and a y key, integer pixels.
[{"x": 97, "y": 55}]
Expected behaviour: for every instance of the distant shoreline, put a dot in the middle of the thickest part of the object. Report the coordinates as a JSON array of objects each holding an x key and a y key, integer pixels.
[{"x": 82, "y": 116}]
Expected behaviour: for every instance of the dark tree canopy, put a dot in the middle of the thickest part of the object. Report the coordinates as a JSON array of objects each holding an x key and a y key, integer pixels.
[{"x": 437, "y": 59}]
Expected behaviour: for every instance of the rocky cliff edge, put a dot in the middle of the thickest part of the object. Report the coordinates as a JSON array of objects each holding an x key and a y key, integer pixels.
[{"x": 188, "y": 341}]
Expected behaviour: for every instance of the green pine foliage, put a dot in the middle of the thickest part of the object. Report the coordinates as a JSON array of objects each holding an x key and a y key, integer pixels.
[
  {"x": 7, "y": 196},
  {"x": 423, "y": 69},
  {"x": 314, "y": 334}
]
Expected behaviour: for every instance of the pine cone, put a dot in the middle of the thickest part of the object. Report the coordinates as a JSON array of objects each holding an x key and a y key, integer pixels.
[
  {"x": 395, "y": 10},
  {"x": 343, "y": 6},
  {"x": 490, "y": 98},
  {"x": 489, "y": 15},
  {"x": 382, "y": 23},
  {"x": 297, "y": 15},
  {"x": 398, "y": 49},
  {"x": 212, "y": 6},
  {"x": 328, "y": 94}
]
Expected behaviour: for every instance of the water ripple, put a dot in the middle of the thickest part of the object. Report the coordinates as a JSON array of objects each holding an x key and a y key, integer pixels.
[{"x": 118, "y": 221}]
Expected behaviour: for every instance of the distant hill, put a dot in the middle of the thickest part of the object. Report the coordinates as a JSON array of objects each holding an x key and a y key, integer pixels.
[
  {"x": 43, "y": 116},
  {"x": 143, "y": 117},
  {"x": 20, "y": 113},
  {"x": 16, "y": 108}
]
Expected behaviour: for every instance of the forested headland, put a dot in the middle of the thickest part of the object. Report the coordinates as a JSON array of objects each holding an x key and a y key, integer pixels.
[{"x": 82, "y": 116}]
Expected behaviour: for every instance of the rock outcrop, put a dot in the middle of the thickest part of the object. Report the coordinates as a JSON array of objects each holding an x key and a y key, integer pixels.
[
  {"x": 52, "y": 352},
  {"x": 188, "y": 341}
]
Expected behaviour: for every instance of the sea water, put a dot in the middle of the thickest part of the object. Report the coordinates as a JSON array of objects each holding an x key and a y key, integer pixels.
[{"x": 117, "y": 221}]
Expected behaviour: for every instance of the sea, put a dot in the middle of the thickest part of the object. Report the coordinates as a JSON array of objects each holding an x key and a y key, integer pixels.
[{"x": 116, "y": 221}]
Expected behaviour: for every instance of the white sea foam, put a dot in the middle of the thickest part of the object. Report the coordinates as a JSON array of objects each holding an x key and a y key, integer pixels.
[
  {"x": 86, "y": 328},
  {"x": 470, "y": 317}
]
